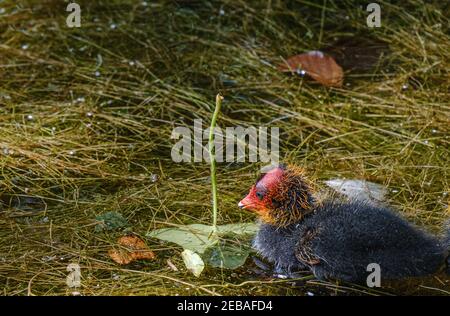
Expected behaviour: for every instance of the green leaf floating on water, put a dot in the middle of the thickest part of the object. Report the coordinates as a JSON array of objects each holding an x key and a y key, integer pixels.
[
  {"x": 195, "y": 237},
  {"x": 199, "y": 237},
  {"x": 239, "y": 229},
  {"x": 225, "y": 248},
  {"x": 227, "y": 255}
]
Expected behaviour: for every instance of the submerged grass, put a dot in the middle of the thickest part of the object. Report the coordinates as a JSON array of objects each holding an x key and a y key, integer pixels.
[{"x": 86, "y": 116}]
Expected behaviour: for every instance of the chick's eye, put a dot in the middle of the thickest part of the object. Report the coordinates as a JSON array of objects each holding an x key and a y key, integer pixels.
[{"x": 260, "y": 195}]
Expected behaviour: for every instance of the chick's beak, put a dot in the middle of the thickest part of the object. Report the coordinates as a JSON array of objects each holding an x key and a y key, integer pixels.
[
  {"x": 247, "y": 202},
  {"x": 242, "y": 204}
]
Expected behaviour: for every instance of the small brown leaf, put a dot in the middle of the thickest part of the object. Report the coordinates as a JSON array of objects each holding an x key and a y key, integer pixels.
[
  {"x": 318, "y": 66},
  {"x": 132, "y": 248}
]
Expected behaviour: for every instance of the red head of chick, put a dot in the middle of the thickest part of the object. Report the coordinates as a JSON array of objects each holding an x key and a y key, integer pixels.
[{"x": 280, "y": 197}]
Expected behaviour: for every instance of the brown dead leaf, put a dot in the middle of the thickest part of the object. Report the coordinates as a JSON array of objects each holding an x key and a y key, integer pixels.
[
  {"x": 318, "y": 66},
  {"x": 131, "y": 248}
]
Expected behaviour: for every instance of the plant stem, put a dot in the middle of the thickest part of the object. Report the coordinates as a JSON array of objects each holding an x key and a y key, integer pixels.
[{"x": 212, "y": 157}]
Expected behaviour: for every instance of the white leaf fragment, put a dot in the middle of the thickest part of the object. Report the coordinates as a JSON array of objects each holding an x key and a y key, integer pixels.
[{"x": 193, "y": 262}]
